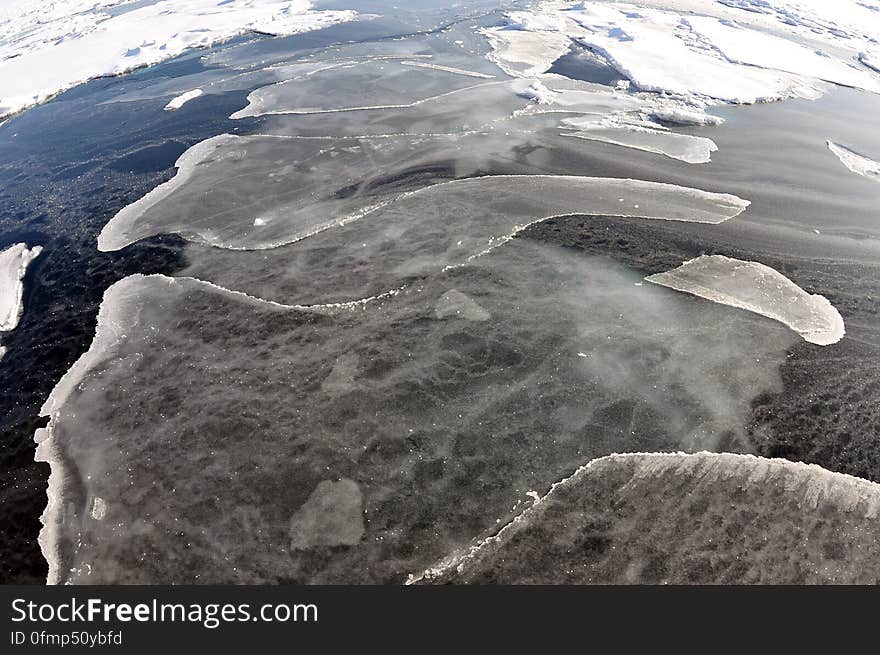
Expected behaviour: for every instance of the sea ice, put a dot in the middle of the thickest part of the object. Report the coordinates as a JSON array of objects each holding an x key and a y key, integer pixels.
[
  {"x": 871, "y": 60},
  {"x": 216, "y": 423},
  {"x": 218, "y": 207},
  {"x": 333, "y": 515},
  {"x": 454, "y": 303},
  {"x": 14, "y": 262},
  {"x": 754, "y": 48},
  {"x": 522, "y": 53},
  {"x": 756, "y": 520},
  {"x": 630, "y": 38},
  {"x": 855, "y": 162},
  {"x": 364, "y": 85},
  {"x": 684, "y": 147},
  {"x": 49, "y": 46},
  {"x": 760, "y": 289},
  {"x": 179, "y": 101}
]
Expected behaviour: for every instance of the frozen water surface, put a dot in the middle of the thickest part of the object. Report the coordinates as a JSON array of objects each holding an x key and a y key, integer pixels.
[
  {"x": 286, "y": 182},
  {"x": 370, "y": 363},
  {"x": 219, "y": 424},
  {"x": 45, "y": 54},
  {"x": 760, "y": 289},
  {"x": 713, "y": 519}
]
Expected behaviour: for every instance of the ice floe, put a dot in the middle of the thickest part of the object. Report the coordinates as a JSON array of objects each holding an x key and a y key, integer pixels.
[
  {"x": 685, "y": 147},
  {"x": 456, "y": 304},
  {"x": 373, "y": 84},
  {"x": 742, "y": 45},
  {"x": 179, "y": 101},
  {"x": 48, "y": 47},
  {"x": 14, "y": 262},
  {"x": 770, "y": 51},
  {"x": 663, "y": 517},
  {"x": 760, "y": 289},
  {"x": 509, "y": 203},
  {"x": 855, "y": 162},
  {"x": 307, "y": 423},
  {"x": 525, "y": 54},
  {"x": 333, "y": 515}
]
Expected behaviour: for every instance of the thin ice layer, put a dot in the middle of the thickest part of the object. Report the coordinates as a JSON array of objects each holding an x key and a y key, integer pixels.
[
  {"x": 426, "y": 231},
  {"x": 760, "y": 289},
  {"x": 381, "y": 84},
  {"x": 526, "y": 54},
  {"x": 684, "y": 147},
  {"x": 14, "y": 262},
  {"x": 657, "y": 518},
  {"x": 855, "y": 162},
  {"x": 43, "y": 57},
  {"x": 179, "y": 101},
  {"x": 212, "y": 425},
  {"x": 508, "y": 203},
  {"x": 262, "y": 192},
  {"x": 281, "y": 189}
]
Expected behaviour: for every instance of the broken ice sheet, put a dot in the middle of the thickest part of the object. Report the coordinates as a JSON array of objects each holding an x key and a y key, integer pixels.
[
  {"x": 855, "y": 162},
  {"x": 684, "y": 147},
  {"x": 760, "y": 289},
  {"x": 757, "y": 520},
  {"x": 424, "y": 231},
  {"x": 204, "y": 415},
  {"x": 14, "y": 262}
]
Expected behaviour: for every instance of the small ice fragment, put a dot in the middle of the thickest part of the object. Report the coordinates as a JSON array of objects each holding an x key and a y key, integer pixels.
[
  {"x": 455, "y": 303},
  {"x": 760, "y": 289},
  {"x": 99, "y": 509},
  {"x": 855, "y": 162},
  {"x": 259, "y": 222},
  {"x": 182, "y": 99},
  {"x": 539, "y": 93},
  {"x": 13, "y": 266},
  {"x": 332, "y": 516}
]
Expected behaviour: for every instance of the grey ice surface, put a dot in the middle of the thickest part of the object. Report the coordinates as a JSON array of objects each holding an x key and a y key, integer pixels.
[
  {"x": 210, "y": 419},
  {"x": 711, "y": 519}
]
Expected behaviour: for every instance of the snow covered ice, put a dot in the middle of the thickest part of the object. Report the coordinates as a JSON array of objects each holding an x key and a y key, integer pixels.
[
  {"x": 41, "y": 54},
  {"x": 179, "y": 101},
  {"x": 855, "y": 162}
]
